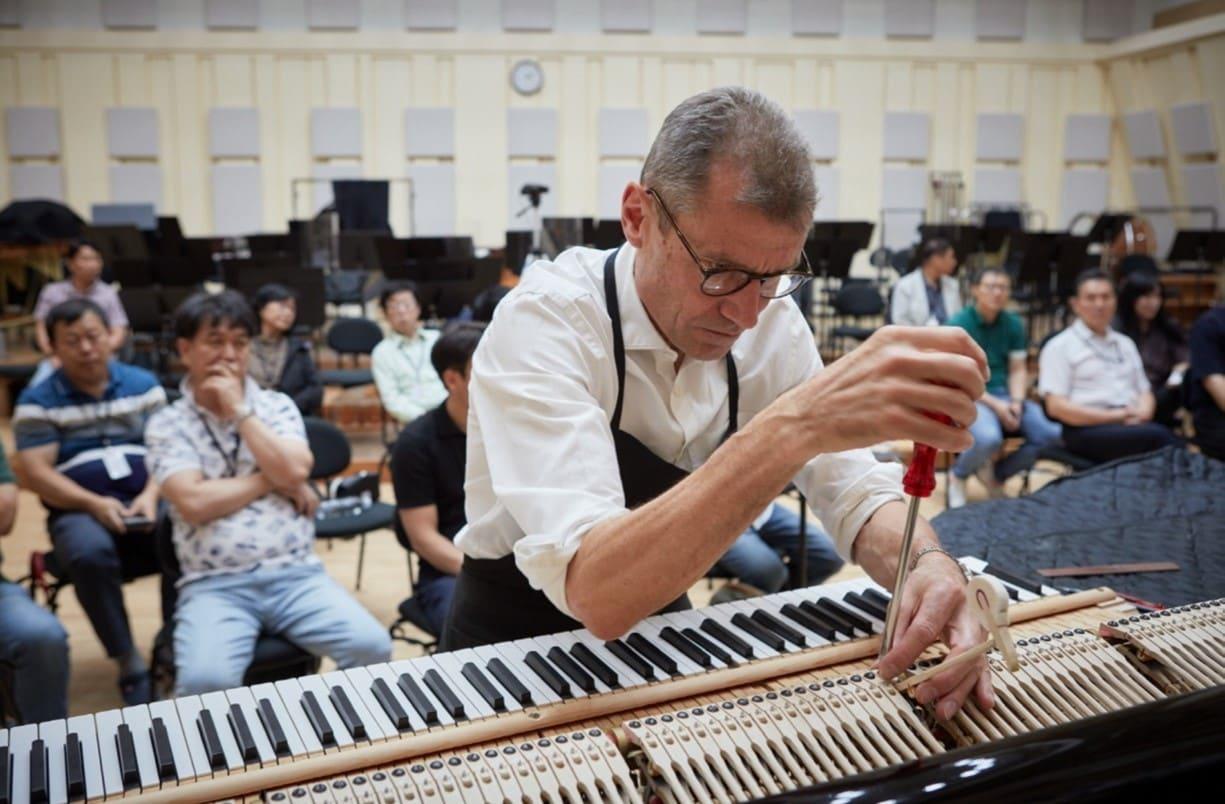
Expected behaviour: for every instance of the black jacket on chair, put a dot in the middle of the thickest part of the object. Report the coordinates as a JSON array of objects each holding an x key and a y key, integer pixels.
[{"x": 300, "y": 378}]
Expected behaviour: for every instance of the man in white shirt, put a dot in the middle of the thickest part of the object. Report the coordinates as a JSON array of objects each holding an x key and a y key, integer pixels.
[
  {"x": 1092, "y": 380},
  {"x": 408, "y": 385},
  {"x": 632, "y": 411}
]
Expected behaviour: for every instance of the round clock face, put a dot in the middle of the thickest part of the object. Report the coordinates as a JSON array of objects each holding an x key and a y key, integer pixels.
[{"x": 526, "y": 77}]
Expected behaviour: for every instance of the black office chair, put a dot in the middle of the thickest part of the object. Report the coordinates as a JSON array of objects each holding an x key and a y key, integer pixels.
[
  {"x": 48, "y": 576},
  {"x": 8, "y": 707},
  {"x": 336, "y": 520},
  {"x": 855, "y": 300},
  {"x": 410, "y": 610},
  {"x": 351, "y": 337}
]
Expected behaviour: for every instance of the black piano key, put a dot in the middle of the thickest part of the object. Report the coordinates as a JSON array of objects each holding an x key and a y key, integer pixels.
[
  {"x": 318, "y": 721},
  {"x": 652, "y": 653},
  {"x": 1013, "y": 578},
  {"x": 348, "y": 714},
  {"x": 821, "y": 629},
  {"x": 488, "y": 691},
  {"x": 417, "y": 697},
  {"x": 5, "y": 781},
  {"x": 729, "y": 639},
  {"x": 632, "y": 660},
  {"x": 742, "y": 621},
  {"x": 381, "y": 691},
  {"x": 1013, "y": 594},
  {"x": 708, "y": 646},
  {"x": 125, "y": 748},
  {"x": 831, "y": 620},
  {"x": 272, "y": 727},
  {"x": 212, "y": 742},
  {"x": 242, "y": 734},
  {"x": 163, "y": 757},
  {"x": 834, "y": 607},
  {"x": 74, "y": 767},
  {"x": 547, "y": 674},
  {"x": 509, "y": 682},
  {"x": 598, "y": 668},
  {"x": 40, "y": 789},
  {"x": 692, "y": 652},
  {"x": 449, "y": 700},
  {"x": 570, "y": 667},
  {"x": 864, "y": 604},
  {"x": 877, "y": 596},
  {"x": 768, "y": 620}
]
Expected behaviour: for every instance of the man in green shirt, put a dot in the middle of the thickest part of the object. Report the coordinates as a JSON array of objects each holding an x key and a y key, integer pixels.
[{"x": 1003, "y": 409}]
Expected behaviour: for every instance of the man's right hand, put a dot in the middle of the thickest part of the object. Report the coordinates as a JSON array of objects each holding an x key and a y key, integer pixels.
[
  {"x": 882, "y": 389},
  {"x": 109, "y": 512},
  {"x": 1004, "y": 411}
]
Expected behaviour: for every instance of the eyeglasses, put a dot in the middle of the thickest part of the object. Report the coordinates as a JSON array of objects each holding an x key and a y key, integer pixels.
[{"x": 722, "y": 280}]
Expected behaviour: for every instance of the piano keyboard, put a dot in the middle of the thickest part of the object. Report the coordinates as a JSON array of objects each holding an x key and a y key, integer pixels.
[{"x": 168, "y": 745}]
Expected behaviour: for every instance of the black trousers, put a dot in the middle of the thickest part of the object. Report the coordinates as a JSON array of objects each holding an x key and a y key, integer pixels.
[
  {"x": 1107, "y": 442},
  {"x": 1210, "y": 434}
]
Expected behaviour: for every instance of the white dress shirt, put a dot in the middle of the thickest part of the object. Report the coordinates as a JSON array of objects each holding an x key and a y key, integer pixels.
[
  {"x": 1097, "y": 371},
  {"x": 542, "y": 468}
]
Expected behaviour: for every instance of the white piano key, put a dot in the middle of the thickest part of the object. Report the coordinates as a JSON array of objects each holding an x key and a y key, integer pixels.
[
  {"x": 250, "y": 712},
  {"x": 385, "y": 672},
  {"x": 376, "y": 729},
  {"x": 451, "y": 667},
  {"x": 21, "y": 738},
  {"x": 83, "y": 727},
  {"x": 361, "y": 681},
  {"x": 189, "y": 708},
  {"x": 415, "y": 671},
  {"x": 268, "y": 692},
  {"x": 315, "y": 684},
  {"x": 55, "y": 734},
  {"x": 627, "y": 677},
  {"x": 219, "y": 707},
  {"x": 513, "y": 654},
  {"x": 107, "y": 725},
  {"x": 184, "y": 764},
  {"x": 137, "y": 719},
  {"x": 290, "y": 692}
]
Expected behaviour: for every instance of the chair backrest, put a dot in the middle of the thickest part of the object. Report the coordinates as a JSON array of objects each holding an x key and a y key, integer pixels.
[
  {"x": 858, "y": 299},
  {"x": 143, "y": 307},
  {"x": 329, "y": 446},
  {"x": 354, "y": 336}
]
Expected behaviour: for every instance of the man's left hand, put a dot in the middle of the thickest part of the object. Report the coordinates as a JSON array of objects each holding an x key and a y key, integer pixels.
[
  {"x": 934, "y": 607},
  {"x": 144, "y": 506}
]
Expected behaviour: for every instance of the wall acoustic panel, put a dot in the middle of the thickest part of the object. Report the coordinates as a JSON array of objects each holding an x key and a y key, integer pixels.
[
  {"x": 336, "y": 132},
  {"x": 820, "y": 128},
  {"x": 32, "y": 131},
  {"x": 1203, "y": 187},
  {"x": 233, "y": 132},
  {"x": 623, "y": 132},
  {"x": 1144, "y": 137},
  {"x": 531, "y": 132},
  {"x": 903, "y": 199},
  {"x": 816, "y": 17},
  {"x": 907, "y": 136},
  {"x": 132, "y": 133},
  {"x": 1083, "y": 190},
  {"x": 27, "y": 182},
  {"x": 910, "y": 18},
  {"x": 231, "y": 14},
  {"x": 433, "y": 200},
  {"x": 1194, "y": 133},
  {"x": 431, "y": 15},
  {"x": 997, "y": 186},
  {"x": 333, "y": 15},
  {"x": 1086, "y": 138},
  {"x": 1000, "y": 19},
  {"x": 1107, "y": 20},
  {"x": 613, "y": 179},
  {"x": 129, "y": 14},
  {"x": 519, "y": 175},
  {"x": 1000, "y": 137},
  {"x": 136, "y": 184},
  {"x": 827, "y": 193},
  {"x": 429, "y": 132},
  {"x": 1150, "y": 186},
  {"x": 722, "y": 16},
  {"x": 625, "y": 16},
  {"x": 237, "y": 203},
  {"x": 528, "y": 15}
]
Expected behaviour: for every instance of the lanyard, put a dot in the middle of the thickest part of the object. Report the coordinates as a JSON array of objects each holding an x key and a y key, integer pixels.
[
  {"x": 1116, "y": 356},
  {"x": 230, "y": 458}
]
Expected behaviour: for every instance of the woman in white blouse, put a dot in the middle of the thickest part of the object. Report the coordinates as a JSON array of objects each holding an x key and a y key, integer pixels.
[{"x": 929, "y": 295}]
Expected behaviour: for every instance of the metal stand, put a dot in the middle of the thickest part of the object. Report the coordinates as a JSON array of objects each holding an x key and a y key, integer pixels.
[{"x": 536, "y": 252}]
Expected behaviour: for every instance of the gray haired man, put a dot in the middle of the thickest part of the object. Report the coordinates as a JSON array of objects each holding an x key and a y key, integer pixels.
[{"x": 632, "y": 411}]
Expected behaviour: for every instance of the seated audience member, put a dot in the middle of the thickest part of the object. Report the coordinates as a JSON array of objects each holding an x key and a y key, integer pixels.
[
  {"x": 427, "y": 468},
  {"x": 1162, "y": 343},
  {"x": 487, "y": 301},
  {"x": 408, "y": 386},
  {"x": 928, "y": 295},
  {"x": 1093, "y": 382},
  {"x": 756, "y": 557},
  {"x": 233, "y": 463},
  {"x": 32, "y": 642},
  {"x": 1003, "y": 408},
  {"x": 1206, "y": 382},
  {"x": 83, "y": 263},
  {"x": 280, "y": 361},
  {"x": 81, "y": 449}
]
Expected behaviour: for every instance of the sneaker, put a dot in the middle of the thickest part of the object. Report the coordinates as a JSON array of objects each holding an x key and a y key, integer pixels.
[
  {"x": 986, "y": 476},
  {"x": 957, "y": 491},
  {"x": 136, "y": 689}
]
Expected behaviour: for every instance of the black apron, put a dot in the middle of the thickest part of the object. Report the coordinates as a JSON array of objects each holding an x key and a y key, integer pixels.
[{"x": 493, "y": 601}]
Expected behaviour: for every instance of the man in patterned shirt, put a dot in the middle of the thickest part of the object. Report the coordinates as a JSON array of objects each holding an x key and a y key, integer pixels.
[{"x": 233, "y": 462}]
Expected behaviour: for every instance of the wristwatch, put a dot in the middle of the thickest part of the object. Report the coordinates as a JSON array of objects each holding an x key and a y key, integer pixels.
[{"x": 242, "y": 412}]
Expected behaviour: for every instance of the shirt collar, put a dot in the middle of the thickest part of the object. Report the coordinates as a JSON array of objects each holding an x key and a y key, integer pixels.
[
  {"x": 66, "y": 388},
  {"x": 416, "y": 338},
  {"x": 636, "y": 326},
  {"x": 1082, "y": 330},
  {"x": 250, "y": 389},
  {"x": 443, "y": 423}
]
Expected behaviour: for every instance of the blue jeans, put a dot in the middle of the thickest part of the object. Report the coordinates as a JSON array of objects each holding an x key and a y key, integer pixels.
[
  {"x": 988, "y": 433},
  {"x": 218, "y": 619},
  {"x": 754, "y": 557},
  {"x": 434, "y": 597},
  {"x": 34, "y": 645}
]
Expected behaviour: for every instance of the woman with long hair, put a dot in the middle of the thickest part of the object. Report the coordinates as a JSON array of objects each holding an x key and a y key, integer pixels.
[{"x": 1162, "y": 343}]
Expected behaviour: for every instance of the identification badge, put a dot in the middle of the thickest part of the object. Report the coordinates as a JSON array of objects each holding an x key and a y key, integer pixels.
[{"x": 116, "y": 463}]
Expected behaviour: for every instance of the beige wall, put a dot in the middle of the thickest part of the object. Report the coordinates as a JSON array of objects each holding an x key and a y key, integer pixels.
[{"x": 184, "y": 74}]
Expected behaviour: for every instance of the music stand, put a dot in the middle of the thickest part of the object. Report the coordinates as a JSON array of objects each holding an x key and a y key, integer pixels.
[
  {"x": 181, "y": 271},
  {"x": 559, "y": 234},
  {"x": 606, "y": 234},
  {"x": 966, "y": 239},
  {"x": 358, "y": 252},
  {"x": 132, "y": 273},
  {"x": 309, "y": 285},
  {"x": 1070, "y": 254},
  {"x": 117, "y": 242},
  {"x": 1107, "y": 226},
  {"x": 1198, "y": 245}
]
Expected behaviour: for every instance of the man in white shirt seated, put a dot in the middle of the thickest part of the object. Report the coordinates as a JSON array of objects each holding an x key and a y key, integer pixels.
[
  {"x": 632, "y": 411},
  {"x": 233, "y": 461},
  {"x": 408, "y": 385},
  {"x": 1093, "y": 382},
  {"x": 928, "y": 295}
]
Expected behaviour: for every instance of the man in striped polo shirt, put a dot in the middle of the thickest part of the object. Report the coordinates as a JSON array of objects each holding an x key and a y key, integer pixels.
[{"x": 80, "y": 448}]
